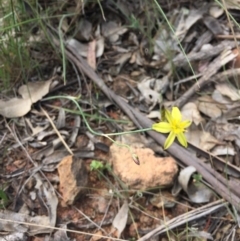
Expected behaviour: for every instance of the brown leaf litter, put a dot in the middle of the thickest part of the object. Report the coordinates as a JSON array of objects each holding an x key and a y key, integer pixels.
[{"x": 133, "y": 68}]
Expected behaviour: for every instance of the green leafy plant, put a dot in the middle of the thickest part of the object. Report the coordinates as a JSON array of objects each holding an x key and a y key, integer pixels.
[
  {"x": 99, "y": 167},
  {"x": 96, "y": 165},
  {"x": 197, "y": 178}
]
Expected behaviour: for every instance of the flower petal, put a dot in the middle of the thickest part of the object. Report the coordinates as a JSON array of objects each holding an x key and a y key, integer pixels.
[
  {"x": 176, "y": 114},
  {"x": 168, "y": 116},
  {"x": 186, "y": 124},
  {"x": 162, "y": 127},
  {"x": 182, "y": 139},
  {"x": 169, "y": 140}
]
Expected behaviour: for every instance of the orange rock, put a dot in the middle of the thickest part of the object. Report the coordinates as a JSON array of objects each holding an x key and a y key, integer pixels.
[
  {"x": 152, "y": 172},
  {"x": 73, "y": 178}
]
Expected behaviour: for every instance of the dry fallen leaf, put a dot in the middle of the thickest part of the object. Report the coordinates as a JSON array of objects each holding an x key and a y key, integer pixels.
[
  {"x": 84, "y": 30},
  {"x": 47, "y": 191},
  {"x": 188, "y": 19},
  {"x": 209, "y": 107},
  {"x": 217, "y": 96},
  {"x": 229, "y": 91},
  {"x": 15, "y": 107},
  {"x": 35, "y": 90},
  {"x": 201, "y": 139},
  {"x": 112, "y": 31},
  {"x": 120, "y": 220},
  {"x": 193, "y": 137},
  {"x": 213, "y": 25},
  {"x": 207, "y": 141},
  {"x": 31, "y": 93},
  {"x": 190, "y": 112}
]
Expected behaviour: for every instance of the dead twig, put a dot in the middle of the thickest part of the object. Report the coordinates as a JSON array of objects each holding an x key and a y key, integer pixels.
[
  {"x": 57, "y": 132},
  {"x": 185, "y": 218}
]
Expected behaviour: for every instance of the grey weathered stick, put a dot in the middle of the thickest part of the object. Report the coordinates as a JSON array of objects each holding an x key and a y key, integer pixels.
[
  {"x": 181, "y": 59},
  {"x": 185, "y": 218}
]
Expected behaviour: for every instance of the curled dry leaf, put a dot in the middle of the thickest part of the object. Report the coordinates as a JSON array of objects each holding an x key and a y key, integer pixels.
[
  {"x": 196, "y": 191},
  {"x": 223, "y": 151}
]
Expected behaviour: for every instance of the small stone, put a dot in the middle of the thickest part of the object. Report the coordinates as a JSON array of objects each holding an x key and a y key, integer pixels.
[
  {"x": 164, "y": 199},
  {"x": 73, "y": 179},
  {"x": 152, "y": 172}
]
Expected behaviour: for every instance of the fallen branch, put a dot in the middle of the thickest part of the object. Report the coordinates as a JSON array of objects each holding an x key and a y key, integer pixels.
[{"x": 185, "y": 218}]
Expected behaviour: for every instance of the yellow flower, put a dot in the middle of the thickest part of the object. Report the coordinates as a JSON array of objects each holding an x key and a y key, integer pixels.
[{"x": 174, "y": 125}]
